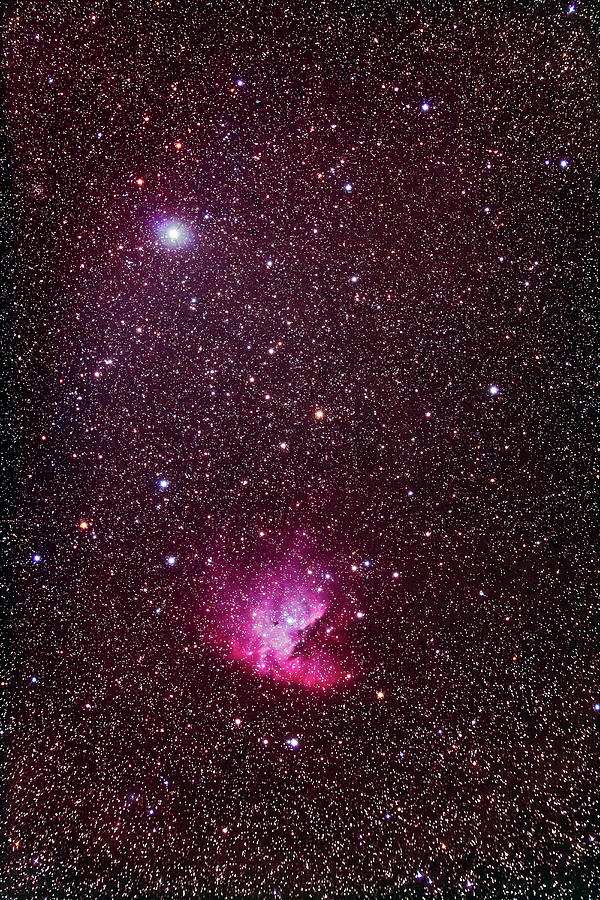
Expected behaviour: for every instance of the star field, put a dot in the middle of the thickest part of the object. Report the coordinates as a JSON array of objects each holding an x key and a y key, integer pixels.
[{"x": 304, "y": 425}]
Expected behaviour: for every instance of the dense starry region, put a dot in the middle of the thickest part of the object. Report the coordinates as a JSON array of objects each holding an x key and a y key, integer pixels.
[{"x": 303, "y": 309}]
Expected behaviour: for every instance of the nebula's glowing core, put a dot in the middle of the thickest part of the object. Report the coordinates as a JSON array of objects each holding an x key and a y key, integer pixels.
[{"x": 281, "y": 630}]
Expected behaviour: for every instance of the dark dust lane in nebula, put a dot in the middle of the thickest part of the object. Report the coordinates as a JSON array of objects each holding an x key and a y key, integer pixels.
[{"x": 302, "y": 339}]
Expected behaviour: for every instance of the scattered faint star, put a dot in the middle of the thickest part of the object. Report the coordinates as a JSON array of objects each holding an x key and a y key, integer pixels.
[{"x": 301, "y": 368}]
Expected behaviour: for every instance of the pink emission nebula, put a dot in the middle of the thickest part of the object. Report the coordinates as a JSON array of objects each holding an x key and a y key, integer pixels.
[{"x": 286, "y": 630}]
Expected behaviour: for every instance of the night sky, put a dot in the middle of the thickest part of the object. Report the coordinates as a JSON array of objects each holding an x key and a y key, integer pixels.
[{"x": 303, "y": 405}]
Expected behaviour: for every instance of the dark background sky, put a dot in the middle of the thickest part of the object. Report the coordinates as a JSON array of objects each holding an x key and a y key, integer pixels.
[{"x": 367, "y": 351}]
